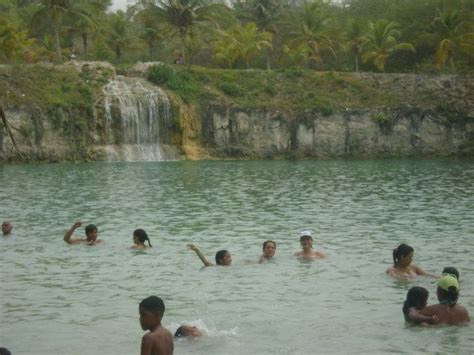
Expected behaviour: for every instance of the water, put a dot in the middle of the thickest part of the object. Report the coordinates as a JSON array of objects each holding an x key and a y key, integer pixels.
[
  {"x": 62, "y": 299},
  {"x": 134, "y": 110}
]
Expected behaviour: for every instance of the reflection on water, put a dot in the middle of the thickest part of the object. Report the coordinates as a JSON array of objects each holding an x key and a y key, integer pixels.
[{"x": 61, "y": 299}]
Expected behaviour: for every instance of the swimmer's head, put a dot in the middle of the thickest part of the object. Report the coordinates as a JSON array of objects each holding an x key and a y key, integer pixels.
[
  {"x": 140, "y": 236},
  {"x": 417, "y": 297},
  {"x": 402, "y": 254},
  {"x": 223, "y": 258},
  {"x": 451, "y": 271},
  {"x": 269, "y": 248},
  {"x": 6, "y": 227},
  {"x": 91, "y": 232},
  {"x": 448, "y": 289},
  {"x": 187, "y": 331},
  {"x": 151, "y": 311}
]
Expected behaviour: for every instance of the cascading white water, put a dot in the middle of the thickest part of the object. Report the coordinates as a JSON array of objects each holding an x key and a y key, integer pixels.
[{"x": 133, "y": 112}]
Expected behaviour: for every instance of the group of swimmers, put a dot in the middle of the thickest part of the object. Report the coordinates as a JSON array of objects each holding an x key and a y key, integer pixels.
[{"x": 415, "y": 310}]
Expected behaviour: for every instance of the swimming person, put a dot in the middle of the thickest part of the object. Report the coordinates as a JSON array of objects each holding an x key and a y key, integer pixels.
[
  {"x": 403, "y": 268},
  {"x": 306, "y": 241},
  {"x": 159, "y": 340},
  {"x": 448, "y": 310},
  {"x": 451, "y": 271},
  {"x": 7, "y": 227},
  {"x": 269, "y": 248},
  {"x": 417, "y": 298},
  {"x": 139, "y": 238},
  {"x": 223, "y": 257},
  {"x": 91, "y": 235},
  {"x": 188, "y": 331}
]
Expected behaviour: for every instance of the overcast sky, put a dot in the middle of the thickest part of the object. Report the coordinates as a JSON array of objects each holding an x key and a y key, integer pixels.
[{"x": 121, "y": 4}]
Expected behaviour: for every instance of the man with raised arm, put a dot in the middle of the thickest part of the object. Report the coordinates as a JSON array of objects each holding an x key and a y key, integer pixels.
[{"x": 91, "y": 235}]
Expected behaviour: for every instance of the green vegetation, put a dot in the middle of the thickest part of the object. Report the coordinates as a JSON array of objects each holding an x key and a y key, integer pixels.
[{"x": 351, "y": 35}]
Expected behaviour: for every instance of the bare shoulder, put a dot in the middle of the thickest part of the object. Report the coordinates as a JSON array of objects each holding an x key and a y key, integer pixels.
[{"x": 320, "y": 254}]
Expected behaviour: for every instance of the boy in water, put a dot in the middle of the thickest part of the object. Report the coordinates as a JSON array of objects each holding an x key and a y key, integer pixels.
[{"x": 159, "y": 340}]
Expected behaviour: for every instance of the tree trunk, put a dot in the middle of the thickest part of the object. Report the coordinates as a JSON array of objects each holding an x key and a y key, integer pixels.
[
  {"x": 357, "y": 63},
  {"x": 58, "y": 43},
  {"x": 85, "y": 43}
]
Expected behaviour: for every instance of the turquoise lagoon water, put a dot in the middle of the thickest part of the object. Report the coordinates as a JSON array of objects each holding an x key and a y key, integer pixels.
[{"x": 62, "y": 299}]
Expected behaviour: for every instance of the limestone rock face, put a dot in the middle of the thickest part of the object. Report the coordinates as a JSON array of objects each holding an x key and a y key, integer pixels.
[{"x": 235, "y": 132}]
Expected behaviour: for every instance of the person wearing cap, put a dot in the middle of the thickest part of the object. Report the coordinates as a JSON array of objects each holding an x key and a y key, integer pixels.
[
  {"x": 448, "y": 310},
  {"x": 7, "y": 227},
  {"x": 91, "y": 235},
  {"x": 306, "y": 241}
]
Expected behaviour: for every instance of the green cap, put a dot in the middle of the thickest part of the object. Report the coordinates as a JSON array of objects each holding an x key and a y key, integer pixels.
[{"x": 447, "y": 281}]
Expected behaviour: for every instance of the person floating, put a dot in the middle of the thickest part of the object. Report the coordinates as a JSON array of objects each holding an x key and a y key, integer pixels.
[
  {"x": 139, "y": 238},
  {"x": 91, "y": 235},
  {"x": 448, "y": 310},
  {"x": 188, "y": 331},
  {"x": 159, "y": 341},
  {"x": 223, "y": 257},
  {"x": 306, "y": 241},
  {"x": 7, "y": 227},
  {"x": 402, "y": 268},
  {"x": 269, "y": 248},
  {"x": 417, "y": 298}
]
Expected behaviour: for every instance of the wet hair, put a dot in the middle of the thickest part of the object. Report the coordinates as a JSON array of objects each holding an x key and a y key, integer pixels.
[
  {"x": 416, "y": 297},
  {"x": 141, "y": 235},
  {"x": 180, "y": 332},
  {"x": 401, "y": 250},
  {"x": 153, "y": 304},
  {"x": 268, "y": 241},
  {"x": 5, "y": 351},
  {"x": 90, "y": 228},
  {"x": 449, "y": 297},
  {"x": 220, "y": 256},
  {"x": 452, "y": 271}
]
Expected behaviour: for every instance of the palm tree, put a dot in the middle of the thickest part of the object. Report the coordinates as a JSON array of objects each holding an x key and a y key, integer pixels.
[
  {"x": 241, "y": 42},
  {"x": 181, "y": 15},
  {"x": 52, "y": 13},
  {"x": 355, "y": 37},
  {"x": 311, "y": 32},
  {"x": 451, "y": 27},
  {"x": 381, "y": 43},
  {"x": 13, "y": 41}
]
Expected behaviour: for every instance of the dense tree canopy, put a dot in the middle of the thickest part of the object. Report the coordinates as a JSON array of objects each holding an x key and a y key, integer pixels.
[{"x": 344, "y": 35}]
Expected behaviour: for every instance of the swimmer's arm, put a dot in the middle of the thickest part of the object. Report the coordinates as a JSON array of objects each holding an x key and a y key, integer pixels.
[
  {"x": 200, "y": 255},
  {"x": 68, "y": 235},
  {"x": 416, "y": 317},
  {"x": 420, "y": 271}
]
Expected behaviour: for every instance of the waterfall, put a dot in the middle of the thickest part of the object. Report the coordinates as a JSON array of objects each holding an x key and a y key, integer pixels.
[{"x": 134, "y": 112}]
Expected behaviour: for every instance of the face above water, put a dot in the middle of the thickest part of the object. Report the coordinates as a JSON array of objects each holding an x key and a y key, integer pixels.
[
  {"x": 6, "y": 228},
  {"x": 306, "y": 243},
  {"x": 406, "y": 259},
  {"x": 148, "y": 320},
  {"x": 92, "y": 236},
  {"x": 269, "y": 250},
  {"x": 227, "y": 260}
]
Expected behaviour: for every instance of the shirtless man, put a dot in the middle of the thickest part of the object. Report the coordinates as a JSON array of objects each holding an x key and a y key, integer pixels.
[
  {"x": 306, "y": 242},
  {"x": 6, "y": 227},
  {"x": 91, "y": 235},
  {"x": 159, "y": 340},
  {"x": 448, "y": 310}
]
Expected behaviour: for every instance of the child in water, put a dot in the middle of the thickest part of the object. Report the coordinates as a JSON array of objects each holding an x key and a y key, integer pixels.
[
  {"x": 159, "y": 340},
  {"x": 139, "y": 238},
  {"x": 417, "y": 298},
  {"x": 451, "y": 271}
]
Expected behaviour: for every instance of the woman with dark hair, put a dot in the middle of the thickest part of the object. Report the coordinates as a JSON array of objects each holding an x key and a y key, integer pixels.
[
  {"x": 403, "y": 268},
  {"x": 139, "y": 239},
  {"x": 448, "y": 310},
  {"x": 223, "y": 257}
]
